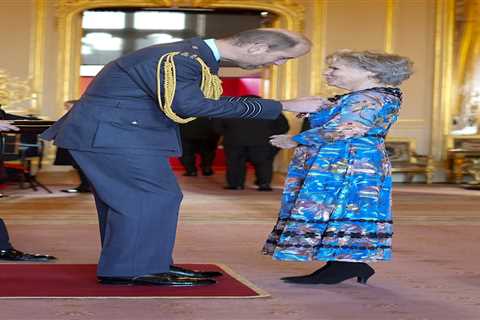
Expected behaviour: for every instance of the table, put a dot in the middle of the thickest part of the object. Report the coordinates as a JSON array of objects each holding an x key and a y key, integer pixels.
[{"x": 457, "y": 159}]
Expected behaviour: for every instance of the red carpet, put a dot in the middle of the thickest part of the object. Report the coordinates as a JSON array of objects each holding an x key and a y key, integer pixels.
[{"x": 79, "y": 281}]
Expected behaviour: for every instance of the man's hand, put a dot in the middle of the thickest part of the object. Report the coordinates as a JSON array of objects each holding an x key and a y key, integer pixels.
[
  {"x": 282, "y": 141},
  {"x": 305, "y": 104},
  {"x": 6, "y": 126}
]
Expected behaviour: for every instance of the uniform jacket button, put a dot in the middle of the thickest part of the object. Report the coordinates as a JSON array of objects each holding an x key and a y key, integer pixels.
[{"x": 134, "y": 123}]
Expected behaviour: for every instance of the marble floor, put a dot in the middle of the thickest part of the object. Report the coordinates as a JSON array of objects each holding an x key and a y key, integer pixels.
[{"x": 434, "y": 275}]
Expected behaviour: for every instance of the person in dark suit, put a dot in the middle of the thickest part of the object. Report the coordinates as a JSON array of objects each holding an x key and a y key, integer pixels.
[
  {"x": 198, "y": 137},
  {"x": 248, "y": 140},
  {"x": 7, "y": 251},
  {"x": 64, "y": 158},
  {"x": 27, "y": 138},
  {"x": 125, "y": 126}
]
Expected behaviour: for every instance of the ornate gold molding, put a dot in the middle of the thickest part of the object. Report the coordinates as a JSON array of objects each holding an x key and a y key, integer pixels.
[
  {"x": 289, "y": 10},
  {"x": 13, "y": 89},
  {"x": 443, "y": 80},
  {"x": 37, "y": 58},
  {"x": 290, "y": 16},
  {"x": 389, "y": 16},
  {"x": 33, "y": 85},
  {"x": 466, "y": 55},
  {"x": 318, "y": 50}
]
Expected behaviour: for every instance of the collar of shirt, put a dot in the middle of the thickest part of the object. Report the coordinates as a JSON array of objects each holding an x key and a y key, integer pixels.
[{"x": 211, "y": 44}]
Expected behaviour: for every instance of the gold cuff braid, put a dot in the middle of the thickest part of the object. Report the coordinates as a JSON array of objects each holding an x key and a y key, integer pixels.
[{"x": 211, "y": 85}]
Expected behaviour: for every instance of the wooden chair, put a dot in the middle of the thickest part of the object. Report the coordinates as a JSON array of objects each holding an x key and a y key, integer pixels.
[
  {"x": 405, "y": 159},
  {"x": 25, "y": 157}
]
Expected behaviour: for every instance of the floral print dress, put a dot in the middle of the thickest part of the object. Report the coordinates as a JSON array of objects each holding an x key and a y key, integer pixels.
[{"x": 336, "y": 203}]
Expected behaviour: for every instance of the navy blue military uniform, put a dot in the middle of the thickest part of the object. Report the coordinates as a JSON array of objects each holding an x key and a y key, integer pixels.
[{"x": 122, "y": 140}]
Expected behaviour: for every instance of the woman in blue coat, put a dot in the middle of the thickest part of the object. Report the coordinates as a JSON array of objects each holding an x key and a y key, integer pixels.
[{"x": 336, "y": 203}]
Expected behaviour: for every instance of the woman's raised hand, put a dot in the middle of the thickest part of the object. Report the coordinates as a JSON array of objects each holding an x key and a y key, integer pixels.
[{"x": 282, "y": 141}]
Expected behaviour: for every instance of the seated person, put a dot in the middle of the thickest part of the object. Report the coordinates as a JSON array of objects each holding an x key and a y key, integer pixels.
[
  {"x": 24, "y": 138},
  {"x": 7, "y": 252}
]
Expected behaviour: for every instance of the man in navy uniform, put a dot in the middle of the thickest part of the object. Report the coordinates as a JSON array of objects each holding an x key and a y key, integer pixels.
[{"x": 124, "y": 128}]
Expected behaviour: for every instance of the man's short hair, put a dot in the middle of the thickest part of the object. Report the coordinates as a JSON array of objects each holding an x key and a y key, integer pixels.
[{"x": 274, "y": 39}]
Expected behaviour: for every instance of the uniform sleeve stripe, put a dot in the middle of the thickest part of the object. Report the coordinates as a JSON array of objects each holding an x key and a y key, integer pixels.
[
  {"x": 259, "y": 110},
  {"x": 252, "y": 110},
  {"x": 247, "y": 110}
]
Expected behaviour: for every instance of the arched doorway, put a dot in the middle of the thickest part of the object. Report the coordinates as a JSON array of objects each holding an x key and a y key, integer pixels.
[{"x": 277, "y": 82}]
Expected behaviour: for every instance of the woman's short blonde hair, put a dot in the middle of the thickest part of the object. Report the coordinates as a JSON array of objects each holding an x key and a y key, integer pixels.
[{"x": 389, "y": 69}]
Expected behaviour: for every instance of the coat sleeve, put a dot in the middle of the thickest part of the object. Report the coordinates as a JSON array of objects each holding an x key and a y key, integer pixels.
[
  {"x": 189, "y": 100},
  {"x": 358, "y": 116}
]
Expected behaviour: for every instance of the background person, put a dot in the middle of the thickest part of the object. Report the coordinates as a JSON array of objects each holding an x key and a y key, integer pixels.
[
  {"x": 64, "y": 158},
  {"x": 7, "y": 251},
  {"x": 198, "y": 137},
  {"x": 247, "y": 140}
]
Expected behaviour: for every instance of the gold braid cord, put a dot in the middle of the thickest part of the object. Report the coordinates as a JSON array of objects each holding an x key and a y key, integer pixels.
[{"x": 211, "y": 85}]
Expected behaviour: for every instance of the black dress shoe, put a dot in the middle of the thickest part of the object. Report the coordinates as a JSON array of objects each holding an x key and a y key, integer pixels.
[
  {"x": 77, "y": 190},
  {"x": 182, "y": 272},
  {"x": 15, "y": 255},
  {"x": 234, "y": 187},
  {"x": 264, "y": 187},
  {"x": 190, "y": 174},
  {"x": 159, "y": 279}
]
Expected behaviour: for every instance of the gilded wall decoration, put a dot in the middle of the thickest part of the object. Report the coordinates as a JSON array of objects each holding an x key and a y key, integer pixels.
[{"x": 13, "y": 90}]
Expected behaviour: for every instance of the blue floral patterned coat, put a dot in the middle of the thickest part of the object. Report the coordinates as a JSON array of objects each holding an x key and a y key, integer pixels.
[{"x": 336, "y": 203}]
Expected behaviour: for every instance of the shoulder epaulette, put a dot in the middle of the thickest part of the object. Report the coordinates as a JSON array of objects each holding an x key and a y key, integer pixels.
[{"x": 211, "y": 84}]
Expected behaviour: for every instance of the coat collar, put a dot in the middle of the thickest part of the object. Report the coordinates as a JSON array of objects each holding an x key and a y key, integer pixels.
[{"x": 203, "y": 50}]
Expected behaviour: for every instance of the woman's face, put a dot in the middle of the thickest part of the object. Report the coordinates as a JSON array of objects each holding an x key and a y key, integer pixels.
[{"x": 343, "y": 75}]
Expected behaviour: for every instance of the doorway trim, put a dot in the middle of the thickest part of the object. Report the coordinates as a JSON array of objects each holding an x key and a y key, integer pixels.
[{"x": 283, "y": 81}]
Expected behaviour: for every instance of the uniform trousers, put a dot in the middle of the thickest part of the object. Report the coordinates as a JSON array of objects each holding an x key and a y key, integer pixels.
[{"x": 137, "y": 198}]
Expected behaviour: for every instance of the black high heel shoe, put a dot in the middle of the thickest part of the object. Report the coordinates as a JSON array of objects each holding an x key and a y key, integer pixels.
[
  {"x": 314, "y": 274},
  {"x": 336, "y": 272}
]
